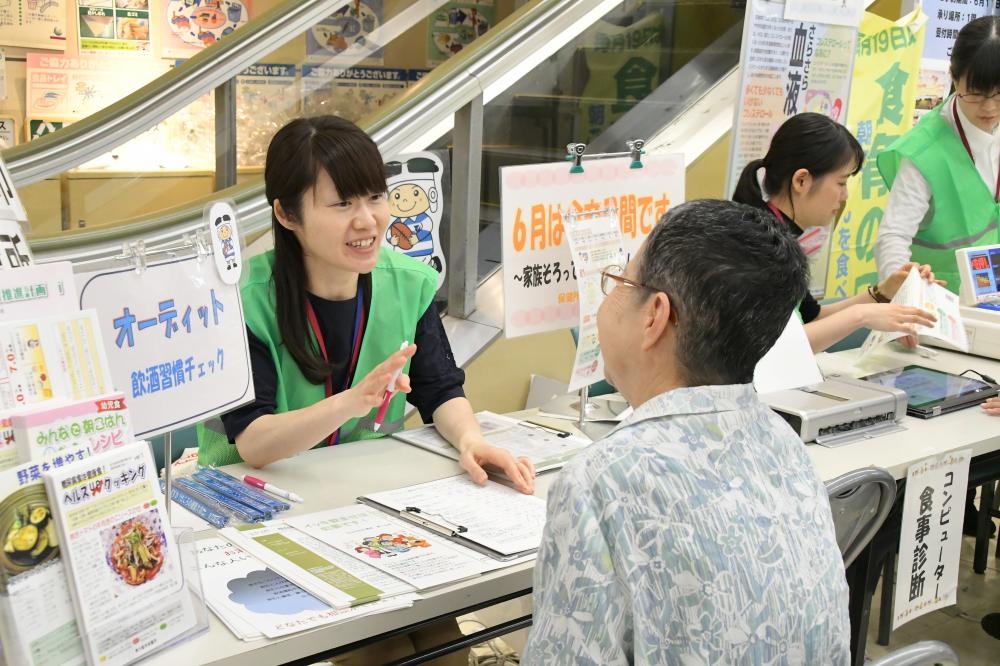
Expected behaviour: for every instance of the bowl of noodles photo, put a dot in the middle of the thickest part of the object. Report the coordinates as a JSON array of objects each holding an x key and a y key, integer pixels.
[{"x": 136, "y": 548}]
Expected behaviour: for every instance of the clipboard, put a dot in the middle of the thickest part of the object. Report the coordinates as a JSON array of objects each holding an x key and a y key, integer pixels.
[{"x": 441, "y": 526}]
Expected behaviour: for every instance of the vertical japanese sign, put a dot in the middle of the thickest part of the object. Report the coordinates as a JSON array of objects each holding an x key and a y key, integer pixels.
[
  {"x": 885, "y": 77},
  {"x": 539, "y": 278},
  {"x": 788, "y": 67},
  {"x": 931, "y": 537},
  {"x": 33, "y": 24},
  {"x": 113, "y": 26},
  {"x": 176, "y": 341}
]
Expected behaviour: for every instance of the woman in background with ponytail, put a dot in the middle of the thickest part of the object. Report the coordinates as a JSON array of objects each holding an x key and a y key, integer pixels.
[{"x": 803, "y": 181}]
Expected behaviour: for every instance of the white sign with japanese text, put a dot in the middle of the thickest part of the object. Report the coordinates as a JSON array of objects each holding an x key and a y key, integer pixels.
[
  {"x": 596, "y": 243},
  {"x": 931, "y": 537},
  {"x": 37, "y": 290},
  {"x": 539, "y": 278},
  {"x": 176, "y": 341}
]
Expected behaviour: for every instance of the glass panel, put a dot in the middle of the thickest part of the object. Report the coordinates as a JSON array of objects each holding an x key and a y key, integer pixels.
[
  {"x": 351, "y": 63},
  {"x": 650, "y": 58}
]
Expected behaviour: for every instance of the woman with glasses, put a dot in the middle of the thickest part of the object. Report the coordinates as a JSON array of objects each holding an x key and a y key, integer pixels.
[
  {"x": 943, "y": 174},
  {"x": 802, "y": 181}
]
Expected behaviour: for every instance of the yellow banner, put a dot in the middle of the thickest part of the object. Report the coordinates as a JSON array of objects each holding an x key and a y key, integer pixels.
[{"x": 880, "y": 111}]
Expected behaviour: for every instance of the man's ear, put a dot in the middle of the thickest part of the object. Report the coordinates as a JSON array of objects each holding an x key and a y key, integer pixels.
[
  {"x": 283, "y": 217},
  {"x": 657, "y": 311}
]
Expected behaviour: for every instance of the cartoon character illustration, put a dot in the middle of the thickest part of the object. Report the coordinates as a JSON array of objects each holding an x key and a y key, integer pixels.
[
  {"x": 412, "y": 201},
  {"x": 225, "y": 234}
]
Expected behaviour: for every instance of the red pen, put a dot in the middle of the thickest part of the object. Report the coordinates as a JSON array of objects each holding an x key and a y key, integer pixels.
[{"x": 389, "y": 391}]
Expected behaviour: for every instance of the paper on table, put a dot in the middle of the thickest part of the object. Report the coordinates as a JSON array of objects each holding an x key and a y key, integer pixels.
[
  {"x": 414, "y": 555},
  {"x": 495, "y": 516},
  {"x": 325, "y": 572},
  {"x": 789, "y": 364},
  {"x": 250, "y": 594},
  {"x": 545, "y": 449}
]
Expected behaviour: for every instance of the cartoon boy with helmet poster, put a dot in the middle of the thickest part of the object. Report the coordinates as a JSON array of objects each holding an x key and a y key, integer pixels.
[{"x": 414, "y": 187}]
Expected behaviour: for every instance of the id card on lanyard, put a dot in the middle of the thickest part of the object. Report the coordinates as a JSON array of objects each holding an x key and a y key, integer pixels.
[
  {"x": 968, "y": 148},
  {"x": 359, "y": 327}
]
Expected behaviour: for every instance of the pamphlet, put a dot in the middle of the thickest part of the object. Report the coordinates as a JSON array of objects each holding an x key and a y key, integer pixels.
[
  {"x": 919, "y": 293},
  {"x": 37, "y": 619},
  {"x": 121, "y": 556},
  {"x": 100, "y": 423}
]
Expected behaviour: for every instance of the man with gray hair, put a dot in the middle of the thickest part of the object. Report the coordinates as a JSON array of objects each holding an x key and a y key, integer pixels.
[{"x": 697, "y": 532}]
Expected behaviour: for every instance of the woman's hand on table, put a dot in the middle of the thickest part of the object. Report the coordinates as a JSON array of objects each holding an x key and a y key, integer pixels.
[
  {"x": 992, "y": 406},
  {"x": 478, "y": 453}
]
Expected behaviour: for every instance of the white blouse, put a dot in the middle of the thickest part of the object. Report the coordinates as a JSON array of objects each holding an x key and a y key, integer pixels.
[{"x": 910, "y": 197}]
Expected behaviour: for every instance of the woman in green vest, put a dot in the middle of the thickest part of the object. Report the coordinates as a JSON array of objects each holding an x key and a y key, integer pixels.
[
  {"x": 802, "y": 181},
  {"x": 328, "y": 309},
  {"x": 944, "y": 174}
]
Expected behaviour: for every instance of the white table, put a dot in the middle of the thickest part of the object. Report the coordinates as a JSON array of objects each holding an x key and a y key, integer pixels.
[{"x": 335, "y": 476}]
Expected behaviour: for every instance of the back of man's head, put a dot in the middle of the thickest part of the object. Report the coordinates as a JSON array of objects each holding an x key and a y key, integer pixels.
[{"x": 734, "y": 275}]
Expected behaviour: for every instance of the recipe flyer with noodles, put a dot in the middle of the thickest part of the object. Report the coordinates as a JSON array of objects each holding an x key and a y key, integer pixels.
[{"x": 121, "y": 557}]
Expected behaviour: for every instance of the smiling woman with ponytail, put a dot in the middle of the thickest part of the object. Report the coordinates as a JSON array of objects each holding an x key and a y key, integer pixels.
[
  {"x": 802, "y": 180},
  {"x": 328, "y": 309}
]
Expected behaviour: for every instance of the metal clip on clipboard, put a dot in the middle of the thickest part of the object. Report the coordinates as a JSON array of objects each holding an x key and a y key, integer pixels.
[{"x": 441, "y": 525}]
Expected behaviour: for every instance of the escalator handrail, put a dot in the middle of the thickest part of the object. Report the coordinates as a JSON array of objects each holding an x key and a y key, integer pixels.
[
  {"x": 438, "y": 95},
  {"x": 95, "y": 135}
]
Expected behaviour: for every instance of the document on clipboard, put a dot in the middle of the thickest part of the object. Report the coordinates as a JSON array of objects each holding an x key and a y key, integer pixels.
[
  {"x": 546, "y": 447},
  {"x": 491, "y": 519}
]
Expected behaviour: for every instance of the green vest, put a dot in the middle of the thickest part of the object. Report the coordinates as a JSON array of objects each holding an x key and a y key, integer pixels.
[
  {"x": 962, "y": 212},
  {"x": 402, "y": 290}
]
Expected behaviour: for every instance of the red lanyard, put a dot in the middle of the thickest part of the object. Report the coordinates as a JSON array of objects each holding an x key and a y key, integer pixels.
[
  {"x": 359, "y": 327},
  {"x": 968, "y": 149},
  {"x": 776, "y": 211}
]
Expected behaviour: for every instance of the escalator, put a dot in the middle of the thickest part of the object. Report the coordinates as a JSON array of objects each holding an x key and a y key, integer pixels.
[{"x": 548, "y": 73}]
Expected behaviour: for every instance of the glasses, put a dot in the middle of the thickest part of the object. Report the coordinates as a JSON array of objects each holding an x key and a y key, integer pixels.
[
  {"x": 976, "y": 98},
  {"x": 612, "y": 276}
]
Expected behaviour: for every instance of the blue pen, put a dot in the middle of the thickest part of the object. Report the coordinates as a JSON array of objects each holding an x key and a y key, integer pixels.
[
  {"x": 234, "y": 483},
  {"x": 197, "y": 507},
  {"x": 236, "y": 494},
  {"x": 239, "y": 510}
]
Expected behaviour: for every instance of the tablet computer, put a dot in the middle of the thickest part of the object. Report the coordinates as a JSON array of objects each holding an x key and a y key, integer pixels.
[{"x": 932, "y": 392}]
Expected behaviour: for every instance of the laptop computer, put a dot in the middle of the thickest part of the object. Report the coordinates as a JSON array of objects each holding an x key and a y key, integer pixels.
[{"x": 931, "y": 392}]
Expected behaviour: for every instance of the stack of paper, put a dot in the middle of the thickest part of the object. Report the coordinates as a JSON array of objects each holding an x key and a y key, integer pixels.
[
  {"x": 255, "y": 602},
  {"x": 328, "y": 574}
]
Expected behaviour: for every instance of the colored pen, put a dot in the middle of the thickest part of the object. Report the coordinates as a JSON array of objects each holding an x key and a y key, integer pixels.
[
  {"x": 237, "y": 484},
  {"x": 271, "y": 488},
  {"x": 389, "y": 391}
]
